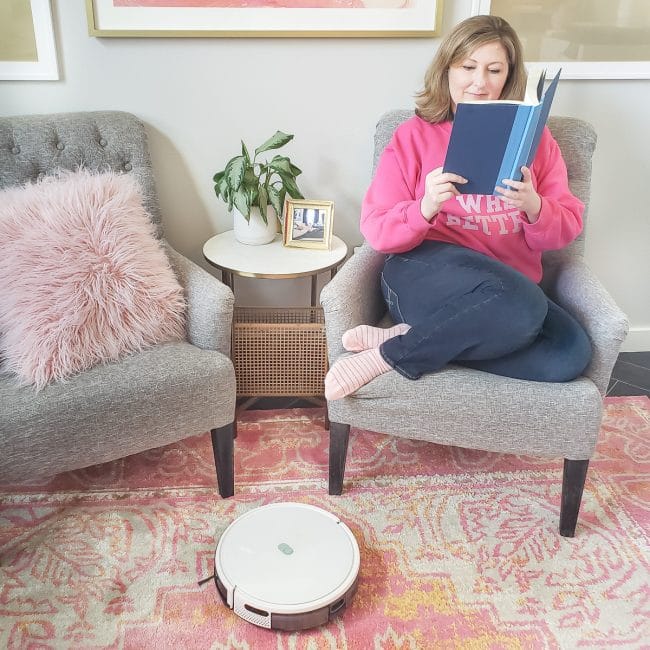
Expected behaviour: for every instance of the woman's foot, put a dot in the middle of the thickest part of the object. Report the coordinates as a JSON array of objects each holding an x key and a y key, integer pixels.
[
  {"x": 349, "y": 374},
  {"x": 366, "y": 337}
]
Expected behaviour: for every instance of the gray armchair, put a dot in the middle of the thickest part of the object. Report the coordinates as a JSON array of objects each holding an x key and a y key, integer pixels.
[
  {"x": 151, "y": 398},
  {"x": 467, "y": 408}
]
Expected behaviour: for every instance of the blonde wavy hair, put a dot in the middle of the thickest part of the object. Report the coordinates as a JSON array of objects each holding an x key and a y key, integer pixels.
[{"x": 433, "y": 103}]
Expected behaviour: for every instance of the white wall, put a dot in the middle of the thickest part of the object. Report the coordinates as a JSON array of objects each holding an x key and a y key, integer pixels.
[{"x": 200, "y": 96}]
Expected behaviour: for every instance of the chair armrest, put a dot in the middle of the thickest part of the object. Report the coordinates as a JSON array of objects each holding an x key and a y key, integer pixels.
[
  {"x": 573, "y": 286},
  {"x": 210, "y": 304},
  {"x": 353, "y": 297}
]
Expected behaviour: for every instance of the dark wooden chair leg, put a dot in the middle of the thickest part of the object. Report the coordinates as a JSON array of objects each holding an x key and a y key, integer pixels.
[
  {"x": 223, "y": 449},
  {"x": 573, "y": 483},
  {"x": 339, "y": 436}
]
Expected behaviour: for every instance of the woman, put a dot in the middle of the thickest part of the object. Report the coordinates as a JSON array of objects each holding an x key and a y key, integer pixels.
[{"x": 461, "y": 276}]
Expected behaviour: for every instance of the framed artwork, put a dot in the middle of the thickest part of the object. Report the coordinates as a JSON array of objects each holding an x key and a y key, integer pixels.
[
  {"x": 588, "y": 39},
  {"x": 264, "y": 18},
  {"x": 27, "y": 47},
  {"x": 308, "y": 224}
]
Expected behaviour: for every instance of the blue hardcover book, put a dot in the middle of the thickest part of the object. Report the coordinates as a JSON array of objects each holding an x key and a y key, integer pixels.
[{"x": 490, "y": 141}]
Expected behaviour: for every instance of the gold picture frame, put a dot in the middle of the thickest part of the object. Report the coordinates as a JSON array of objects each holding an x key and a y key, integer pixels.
[
  {"x": 307, "y": 223},
  {"x": 27, "y": 44},
  {"x": 268, "y": 18},
  {"x": 607, "y": 41}
]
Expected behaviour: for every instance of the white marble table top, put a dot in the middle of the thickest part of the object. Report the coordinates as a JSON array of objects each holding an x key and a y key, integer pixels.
[{"x": 271, "y": 261}]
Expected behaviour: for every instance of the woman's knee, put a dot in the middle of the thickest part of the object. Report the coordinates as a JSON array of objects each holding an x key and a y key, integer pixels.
[
  {"x": 572, "y": 354},
  {"x": 442, "y": 278},
  {"x": 519, "y": 308}
]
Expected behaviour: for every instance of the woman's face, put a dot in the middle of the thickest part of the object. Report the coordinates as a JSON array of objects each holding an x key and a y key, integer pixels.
[{"x": 480, "y": 76}]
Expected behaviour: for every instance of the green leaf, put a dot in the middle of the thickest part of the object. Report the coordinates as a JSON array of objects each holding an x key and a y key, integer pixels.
[
  {"x": 284, "y": 164},
  {"x": 235, "y": 172},
  {"x": 262, "y": 199},
  {"x": 262, "y": 202},
  {"x": 290, "y": 186},
  {"x": 275, "y": 199},
  {"x": 250, "y": 180},
  {"x": 218, "y": 176},
  {"x": 241, "y": 199},
  {"x": 244, "y": 152},
  {"x": 277, "y": 140},
  {"x": 281, "y": 164},
  {"x": 221, "y": 188}
]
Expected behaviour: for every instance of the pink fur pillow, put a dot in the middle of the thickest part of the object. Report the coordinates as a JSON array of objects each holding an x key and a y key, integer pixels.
[{"x": 83, "y": 280}]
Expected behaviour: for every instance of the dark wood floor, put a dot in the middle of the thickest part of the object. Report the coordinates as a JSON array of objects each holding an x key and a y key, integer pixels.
[{"x": 631, "y": 376}]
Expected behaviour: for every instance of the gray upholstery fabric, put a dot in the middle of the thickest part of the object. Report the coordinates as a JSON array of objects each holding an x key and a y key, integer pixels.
[
  {"x": 210, "y": 304},
  {"x": 33, "y": 146},
  {"x": 465, "y": 408},
  {"x": 472, "y": 409},
  {"x": 571, "y": 283},
  {"x": 148, "y": 399}
]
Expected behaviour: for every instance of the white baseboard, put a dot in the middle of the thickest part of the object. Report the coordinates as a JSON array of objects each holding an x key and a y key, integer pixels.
[{"x": 638, "y": 340}]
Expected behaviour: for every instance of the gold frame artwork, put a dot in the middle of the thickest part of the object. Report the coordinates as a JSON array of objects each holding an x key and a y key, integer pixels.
[
  {"x": 315, "y": 235},
  {"x": 599, "y": 42},
  {"x": 28, "y": 46},
  {"x": 376, "y": 18}
]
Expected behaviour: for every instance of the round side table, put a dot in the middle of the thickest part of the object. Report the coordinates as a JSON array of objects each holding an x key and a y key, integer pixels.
[
  {"x": 272, "y": 261},
  {"x": 277, "y": 351}
]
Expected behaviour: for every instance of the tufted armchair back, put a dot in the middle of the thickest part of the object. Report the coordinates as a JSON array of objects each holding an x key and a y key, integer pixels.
[
  {"x": 34, "y": 146},
  {"x": 577, "y": 141}
]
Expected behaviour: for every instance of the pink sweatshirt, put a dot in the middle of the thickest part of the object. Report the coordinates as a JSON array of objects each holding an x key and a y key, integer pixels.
[{"x": 391, "y": 220}]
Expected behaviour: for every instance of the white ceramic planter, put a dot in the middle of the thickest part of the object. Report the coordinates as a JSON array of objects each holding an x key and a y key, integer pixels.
[{"x": 254, "y": 231}]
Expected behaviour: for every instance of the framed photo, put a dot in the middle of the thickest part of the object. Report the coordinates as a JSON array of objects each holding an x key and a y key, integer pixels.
[
  {"x": 602, "y": 39},
  {"x": 292, "y": 18},
  {"x": 308, "y": 224},
  {"x": 27, "y": 47}
]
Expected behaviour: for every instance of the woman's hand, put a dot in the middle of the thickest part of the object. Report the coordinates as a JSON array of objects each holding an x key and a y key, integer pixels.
[
  {"x": 522, "y": 195},
  {"x": 438, "y": 188}
]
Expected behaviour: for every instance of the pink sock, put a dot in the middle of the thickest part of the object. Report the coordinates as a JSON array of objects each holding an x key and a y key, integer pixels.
[
  {"x": 366, "y": 337},
  {"x": 349, "y": 374}
]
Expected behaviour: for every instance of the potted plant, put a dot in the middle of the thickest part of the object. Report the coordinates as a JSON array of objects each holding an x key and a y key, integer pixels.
[{"x": 254, "y": 191}]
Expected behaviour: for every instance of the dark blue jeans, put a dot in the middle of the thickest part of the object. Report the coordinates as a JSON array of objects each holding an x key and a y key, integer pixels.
[{"x": 469, "y": 309}]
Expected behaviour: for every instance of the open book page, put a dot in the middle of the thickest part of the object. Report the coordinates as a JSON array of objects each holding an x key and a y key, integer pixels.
[{"x": 534, "y": 85}]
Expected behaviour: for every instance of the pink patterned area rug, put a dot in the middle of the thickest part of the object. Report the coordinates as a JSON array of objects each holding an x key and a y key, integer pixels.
[{"x": 459, "y": 549}]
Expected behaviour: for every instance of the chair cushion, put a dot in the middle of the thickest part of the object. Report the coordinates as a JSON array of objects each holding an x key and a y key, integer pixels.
[
  {"x": 149, "y": 399},
  {"x": 83, "y": 280},
  {"x": 468, "y": 408}
]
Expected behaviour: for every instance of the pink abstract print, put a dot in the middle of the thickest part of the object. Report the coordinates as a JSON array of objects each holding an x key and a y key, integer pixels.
[{"x": 269, "y": 4}]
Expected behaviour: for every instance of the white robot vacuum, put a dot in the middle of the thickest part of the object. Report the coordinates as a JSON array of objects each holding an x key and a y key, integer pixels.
[{"x": 287, "y": 566}]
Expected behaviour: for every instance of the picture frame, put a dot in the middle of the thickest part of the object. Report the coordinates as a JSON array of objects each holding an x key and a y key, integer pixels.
[
  {"x": 28, "y": 46},
  {"x": 307, "y": 223},
  {"x": 590, "y": 30},
  {"x": 268, "y": 18}
]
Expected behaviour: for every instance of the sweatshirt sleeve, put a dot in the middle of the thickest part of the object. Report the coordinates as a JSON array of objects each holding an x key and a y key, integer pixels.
[
  {"x": 391, "y": 220},
  {"x": 560, "y": 218}
]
